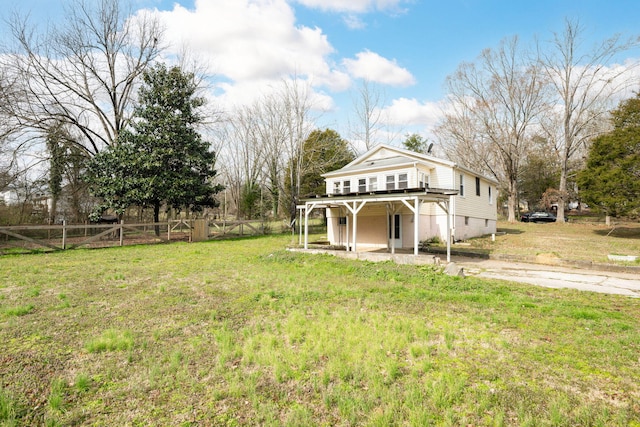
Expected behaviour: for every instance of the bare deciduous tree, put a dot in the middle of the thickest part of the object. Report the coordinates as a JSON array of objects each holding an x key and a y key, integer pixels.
[
  {"x": 243, "y": 154},
  {"x": 272, "y": 133},
  {"x": 296, "y": 98},
  {"x": 82, "y": 73},
  {"x": 367, "y": 105},
  {"x": 497, "y": 101},
  {"x": 9, "y": 132},
  {"x": 584, "y": 87}
]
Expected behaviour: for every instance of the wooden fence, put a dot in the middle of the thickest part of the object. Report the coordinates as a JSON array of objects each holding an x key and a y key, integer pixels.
[
  {"x": 29, "y": 238},
  {"x": 71, "y": 236}
]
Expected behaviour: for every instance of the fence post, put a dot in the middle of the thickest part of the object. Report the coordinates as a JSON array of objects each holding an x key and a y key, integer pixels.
[
  {"x": 168, "y": 230},
  {"x": 121, "y": 232},
  {"x": 64, "y": 234}
]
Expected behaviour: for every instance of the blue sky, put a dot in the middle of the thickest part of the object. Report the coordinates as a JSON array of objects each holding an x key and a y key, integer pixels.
[{"x": 406, "y": 47}]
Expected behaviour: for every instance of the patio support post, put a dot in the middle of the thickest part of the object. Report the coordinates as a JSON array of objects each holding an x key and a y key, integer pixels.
[
  {"x": 416, "y": 221},
  {"x": 393, "y": 231},
  {"x": 305, "y": 225},
  {"x": 355, "y": 229},
  {"x": 354, "y": 211},
  {"x": 449, "y": 228},
  {"x": 308, "y": 207},
  {"x": 386, "y": 222},
  {"x": 346, "y": 230},
  {"x": 416, "y": 226}
]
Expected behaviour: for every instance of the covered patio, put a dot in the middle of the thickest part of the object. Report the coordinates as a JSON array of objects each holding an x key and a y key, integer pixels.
[{"x": 392, "y": 200}]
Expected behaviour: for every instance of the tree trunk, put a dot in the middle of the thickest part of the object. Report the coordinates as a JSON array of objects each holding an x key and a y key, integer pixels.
[
  {"x": 156, "y": 217},
  {"x": 54, "y": 208},
  {"x": 512, "y": 201},
  {"x": 562, "y": 191}
]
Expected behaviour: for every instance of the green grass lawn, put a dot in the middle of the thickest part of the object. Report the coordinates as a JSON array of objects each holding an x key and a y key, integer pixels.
[{"x": 242, "y": 332}]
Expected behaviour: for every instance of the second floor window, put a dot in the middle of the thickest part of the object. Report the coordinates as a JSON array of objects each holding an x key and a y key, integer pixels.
[
  {"x": 373, "y": 183},
  {"x": 462, "y": 184},
  {"x": 403, "y": 181},
  {"x": 423, "y": 181},
  {"x": 362, "y": 185},
  {"x": 477, "y": 186},
  {"x": 391, "y": 182},
  {"x": 346, "y": 186}
]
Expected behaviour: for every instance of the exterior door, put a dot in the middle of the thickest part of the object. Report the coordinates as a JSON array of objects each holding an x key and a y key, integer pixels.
[{"x": 395, "y": 231}]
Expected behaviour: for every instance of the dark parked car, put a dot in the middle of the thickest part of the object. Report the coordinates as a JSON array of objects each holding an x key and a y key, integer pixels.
[{"x": 538, "y": 217}]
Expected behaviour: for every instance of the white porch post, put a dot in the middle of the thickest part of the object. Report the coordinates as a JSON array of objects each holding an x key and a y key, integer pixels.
[
  {"x": 308, "y": 207},
  {"x": 393, "y": 231},
  {"x": 416, "y": 221},
  {"x": 306, "y": 225},
  {"x": 354, "y": 211},
  {"x": 355, "y": 227},
  {"x": 386, "y": 222},
  {"x": 449, "y": 229},
  {"x": 416, "y": 226},
  {"x": 346, "y": 230},
  {"x": 300, "y": 219}
]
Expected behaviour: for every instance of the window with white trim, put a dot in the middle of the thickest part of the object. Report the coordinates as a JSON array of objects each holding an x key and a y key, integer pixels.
[
  {"x": 462, "y": 184},
  {"x": 373, "y": 183},
  {"x": 490, "y": 196},
  {"x": 336, "y": 187},
  {"x": 346, "y": 186},
  {"x": 362, "y": 185},
  {"x": 423, "y": 180},
  {"x": 403, "y": 181},
  {"x": 477, "y": 186},
  {"x": 391, "y": 182}
]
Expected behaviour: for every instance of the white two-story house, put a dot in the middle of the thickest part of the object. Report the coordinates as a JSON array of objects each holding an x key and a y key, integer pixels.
[{"x": 392, "y": 198}]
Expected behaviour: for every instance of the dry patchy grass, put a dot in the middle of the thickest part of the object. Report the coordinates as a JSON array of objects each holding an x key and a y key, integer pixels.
[{"x": 576, "y": 241}]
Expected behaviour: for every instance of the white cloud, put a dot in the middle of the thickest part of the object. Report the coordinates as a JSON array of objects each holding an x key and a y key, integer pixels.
[
  {"x": 251, "y": 45},
  {"x": 373, "y": 67},
  {"x": 235, "y": 95},
  {"x": 248, "y": 39},
  {"x": 411, "y": 112},
  {"x": 354, "y": 22},
  {"x": 356, "y": 6}
]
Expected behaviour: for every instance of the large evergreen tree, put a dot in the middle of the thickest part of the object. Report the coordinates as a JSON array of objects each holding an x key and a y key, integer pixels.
[
  {"x": 323, "y": 151},
  {"x": 161, "y": 158},
  {"x": 611, "y": 180},
  {"x": 417, "y": 143}
]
